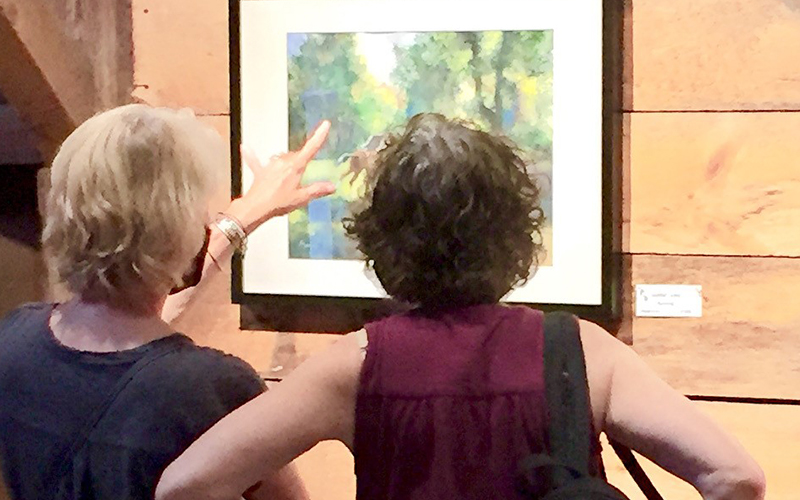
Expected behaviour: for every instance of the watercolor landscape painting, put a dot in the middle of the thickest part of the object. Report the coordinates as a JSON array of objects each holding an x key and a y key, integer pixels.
[{"x": 370, "y": 84}]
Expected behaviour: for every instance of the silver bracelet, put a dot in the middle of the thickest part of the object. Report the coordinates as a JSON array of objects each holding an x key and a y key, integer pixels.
[{"x": 233, "y": 230}]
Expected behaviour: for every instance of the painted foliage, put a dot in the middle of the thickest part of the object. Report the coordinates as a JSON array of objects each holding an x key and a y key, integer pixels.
[{"x": 369, "y": 84}]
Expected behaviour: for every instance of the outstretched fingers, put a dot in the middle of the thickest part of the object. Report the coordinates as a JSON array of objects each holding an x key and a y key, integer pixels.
[
  {"x": 314, "y": 143},
  {"x": 318, "y": 190}
]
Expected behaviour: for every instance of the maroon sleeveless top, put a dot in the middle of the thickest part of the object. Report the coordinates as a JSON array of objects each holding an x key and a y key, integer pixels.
[{"x": 448, "y": 406}]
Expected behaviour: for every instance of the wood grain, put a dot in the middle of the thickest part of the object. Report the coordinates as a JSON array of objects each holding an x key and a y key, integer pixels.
[
  {"x": 713, "y": 184},
  {"x": 181, "y": 54},
  {"x": 328, "y": 471},
  {"x": 211, "y": 320},
  {"x": 24, "y": 278},
  {"x": 104, "y": 30},
  {"x": 715, "y": 54},
  {"x": 44, "y": 73},
  {"x": 222, "y": 195},
  {"x": 748, "y": 341},
  {"x": 741, "y": 54}
]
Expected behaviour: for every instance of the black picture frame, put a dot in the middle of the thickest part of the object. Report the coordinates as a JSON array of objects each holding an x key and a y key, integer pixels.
[{"x": 318, "y": 314}]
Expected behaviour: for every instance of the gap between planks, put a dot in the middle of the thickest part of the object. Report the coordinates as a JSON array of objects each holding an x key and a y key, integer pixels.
[
  {"x": 721, "y": 256},
  {"x": 707, "y": 111}
]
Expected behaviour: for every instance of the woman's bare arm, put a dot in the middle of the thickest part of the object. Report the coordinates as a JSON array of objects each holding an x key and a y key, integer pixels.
[
  {"x": 315, "y": 403},
  {"x": 638, "y": 409},
  {"x": 276, "y": 190}
]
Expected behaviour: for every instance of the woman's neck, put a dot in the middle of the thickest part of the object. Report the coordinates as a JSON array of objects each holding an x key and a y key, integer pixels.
[{"x": 95, "y": 327}]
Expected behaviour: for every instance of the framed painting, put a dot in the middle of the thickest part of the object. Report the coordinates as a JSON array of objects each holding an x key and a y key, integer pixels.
[{"x": 545, "y": 73}]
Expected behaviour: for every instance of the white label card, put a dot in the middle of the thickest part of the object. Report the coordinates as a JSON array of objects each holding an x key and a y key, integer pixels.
[{"x": 669, "y": 301}]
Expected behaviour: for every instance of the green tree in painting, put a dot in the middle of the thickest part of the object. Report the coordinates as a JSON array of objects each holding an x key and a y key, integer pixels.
[
  {"x": 493, "y": 78},
  {"x": 431, "y": 71},
  {"x": 368, "y": 84},
  {"x": 329, "y": 80},
  {"x": 321, "y": 77}
]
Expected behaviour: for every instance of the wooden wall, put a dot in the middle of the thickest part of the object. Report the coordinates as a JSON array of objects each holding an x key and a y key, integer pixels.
[
  {"x": 711, "y": 196},
  {"x": 63, "y": 61}
]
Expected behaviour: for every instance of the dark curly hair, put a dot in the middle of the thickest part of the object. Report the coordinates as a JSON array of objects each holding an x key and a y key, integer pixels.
[{"x": 450, "y": 217}]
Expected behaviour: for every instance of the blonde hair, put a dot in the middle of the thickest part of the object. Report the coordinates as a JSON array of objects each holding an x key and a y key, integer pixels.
[{"x": 128, "y": 202}]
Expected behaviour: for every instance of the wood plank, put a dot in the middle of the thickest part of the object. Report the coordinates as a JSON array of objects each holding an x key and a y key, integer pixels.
[
  {"x": 181, "y": 54},
  {"x": 104, "y": 30},
  {"x": 213, "y": 321},
  {"x": 328, "y": 471},
  {"x": 64, "y": 61},
  {"x": 743, "y": 60},
  {"x": 23, "y": 273},
  {"x": 715, "y": 54},
  {"x": 745, "y": 345},
  {"x": 748, "y": 341},
  {"x": 222, "y": 196},
  {"x": 762, "y": 430},
  {"x": 713, "y": 184}
]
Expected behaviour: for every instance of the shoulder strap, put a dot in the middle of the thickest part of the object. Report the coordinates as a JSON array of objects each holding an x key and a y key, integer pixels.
[
  {"x": 635, "y": 470},
  {"x": 69, "y": 451},
  {"x": 567, "y": 392},
  {"x": 568, "y": 400}
]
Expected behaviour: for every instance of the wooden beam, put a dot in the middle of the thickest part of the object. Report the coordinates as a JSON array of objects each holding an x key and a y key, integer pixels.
[
  {"x": 105, "y": 30},
  {"x": 44, "y": 72},
  {"x": 713, "y": 184},
  {"x": 715, "y": 55}
]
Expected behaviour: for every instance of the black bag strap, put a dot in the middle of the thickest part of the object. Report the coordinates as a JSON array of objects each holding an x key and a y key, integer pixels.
[
  {"x": 155, "y": 353},
  {"x": 567, "y": 391},
  {"x": 635, "y": 470}
]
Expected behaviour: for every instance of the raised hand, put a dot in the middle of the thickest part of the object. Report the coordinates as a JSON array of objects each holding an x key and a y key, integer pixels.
[{"x": 276, "y": 188}]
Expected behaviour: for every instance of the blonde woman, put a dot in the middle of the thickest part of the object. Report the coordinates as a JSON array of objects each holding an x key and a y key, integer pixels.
[{"x": 99, "y": 393}]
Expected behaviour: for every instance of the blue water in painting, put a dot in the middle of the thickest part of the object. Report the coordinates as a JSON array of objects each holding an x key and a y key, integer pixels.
[{"x": 321, "y": 239}]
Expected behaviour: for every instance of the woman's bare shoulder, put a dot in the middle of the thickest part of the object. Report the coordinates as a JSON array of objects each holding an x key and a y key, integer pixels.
[{"x": 602, "y": 352}]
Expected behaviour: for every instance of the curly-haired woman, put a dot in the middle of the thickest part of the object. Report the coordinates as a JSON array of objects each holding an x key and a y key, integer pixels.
[
  {"x": 98, "y": 392},
  {"x": 443, "y": 402}
]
